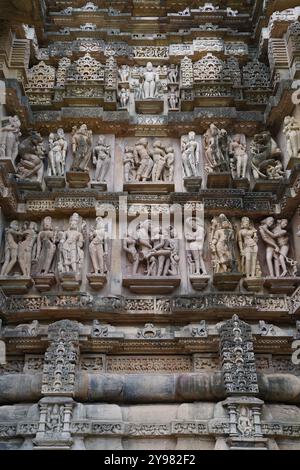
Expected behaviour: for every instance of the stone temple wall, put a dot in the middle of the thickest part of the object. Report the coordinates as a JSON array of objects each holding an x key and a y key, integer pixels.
[{"x": 149, "y": 225}]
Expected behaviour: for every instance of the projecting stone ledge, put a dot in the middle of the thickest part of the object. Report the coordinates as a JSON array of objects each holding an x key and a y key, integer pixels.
[
  {"x": 219, "y": 180},
  {"x": 151, "y": 285},
  {"x": 159, "y": 187},
  {"x": 44, "y": 282},
  {"x": 15, "y": 284},
  {"x": 55, "y": 182},
  {"x": 226, "y": 281},
  {"x": 78, "y": 179},
  {"x": 282, "y": 285},
  {"x": 149, "y": 106}
]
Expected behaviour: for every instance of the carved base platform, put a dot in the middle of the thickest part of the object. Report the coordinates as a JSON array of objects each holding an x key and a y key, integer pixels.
[
  {"x": 269, "y": 186},
  {"x": 28, "y": 185},
  {"x": 227, "y": 281},
  {"x": 247, "y": 443},
  {"x": 55, "y": 182},
  {"x": 99, "y": 186},
  {"x": 281, "y": 285},
  {"x": 253, "y": 284},
  {"x": 78, "y": 179},
  {"x": 293, "y": 163},
  {"x": 53, "y": 444},
  {"x": 149, "y": 106},
  {"x": 159, "y": 187},
  {"x": 97, "y": 281},
  {"x": 151, "y": 285},
  {"x": 70, "y": 281},
  {"x": 199, "y": 282},
  {"x": 15, "y": 284},
  {"x": 241, "y": 183},
  {"x": 219, "y": 180},
  {"x": 193, "y": 184},
  {"x": 44, "y": 282},
  {"x": 8, "y": 165}
]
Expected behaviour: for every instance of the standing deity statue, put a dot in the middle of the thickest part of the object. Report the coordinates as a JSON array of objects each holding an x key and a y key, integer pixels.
[
  {"x": 169, "y": 165},
  {"x": 98, "y": 248},
  {"x": 222, "y": 245},
  {"x": 248, "y": 245},
  {"x": 265, "y": 158},
  {"x": 57, "y": 154},
  {"x": 276, "y": 239},
  {"x": 9, "y": 138},
  {"x": 12, "y": 234},
  {"x": 173, "y": 73},
  {"x": 82, "y": 147},
  {"x": 159, "y": 159},
  {"x": 129, "y": 166},
  {"x": 238, "y": 150},
  {"x": 130, "y": 248},
  {"x": 195, "y": 237},
  {"x": 123, "y": 96},
  {"x": 216, "y": 150},
  {"x": 46, "y": 247},
  {"x": 150, "y": 82},
  {"x": 124, "y": 73},
  {"x": 173, "y": 99},
  {"x": 190, "y": 151},
  {"x": 71, "y": 246},
  {"x": 31, "y": 151},
  {"x": 292, "y": 133},
  {"x": 143, "y": 160},
  {"x": 101, "y": 159},
  {"x": 27, "y": 247}
]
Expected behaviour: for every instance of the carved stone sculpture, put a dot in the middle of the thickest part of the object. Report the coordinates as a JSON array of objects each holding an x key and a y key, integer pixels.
[
  {"x": 216, "y": 150},
  {"x": 222, "y": 245},
  {"x": 124, "y": 73},
  {"x": 157, "y": 255},
  {"x": 190, "y": 152},
  {"x": 27, "y": 247},
  {"x": 173, "y": 73},
  {"x": 71, "y": 242},
  {"x": 195, "y": 237},
  {"x": 9, "y": 138},
  {"x": 150, "y": 82},
  {"x": 101, "y": 159},
  {"x": 276, "y": 238},
  {"x": 123, "y": 97},
  {"x": 173, "y": 99},
  {"x": 58, "y": 146},
  {"x": 265, "y": 158},
  {"x": 10, "y": 248},
  {"x": 31, "y": 151},
  {"x": 247, "y": 241},
  {"x": 98, "y": 247},
  {"x": 239, "y": 154},
  {"x": 46, "y": 247},
  {"x": 143, "y": 160},
  {"x": 292, "y": 133},
  {"x": 82, "y": 146},
  {"x": 129, "y": 164}
]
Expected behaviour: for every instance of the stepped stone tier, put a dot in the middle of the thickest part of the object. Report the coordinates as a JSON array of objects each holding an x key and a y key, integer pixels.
[{"x": 149, "y": 224}]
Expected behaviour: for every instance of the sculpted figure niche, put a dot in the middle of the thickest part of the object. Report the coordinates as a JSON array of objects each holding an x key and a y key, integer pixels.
[
  {"x": 248, "y": 246},
  {"x": 222, "y": 245},
  {"x": 98, "y": 250},
  {"x": 292, "y": 133},
  {"x": 123, "y": 97},
  {"x": 195, "y": 237},
  {"x": 82, "y": 148},
  {"x": 266, "y": 158},
  {"x": 190, "y": 152},
  {"x": 239, "y": 156},
  {"x": 58, "y": 146},
  {"x": 71, "y": 255},
  {"x": 149, "y": 166},
  {"x": 276, "y": 239},
  {"x": 9, "y": 140},
  {"x": 102, "y": 162},
  {"x": 30, "y": 169},
  {"x": 47, "y": 241},
  {"x": 19, "y": 250},
  {"x": 153, "y": 251},
  {"x": 216, "y": 144},
  {"x": 150, "y": 82}
]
